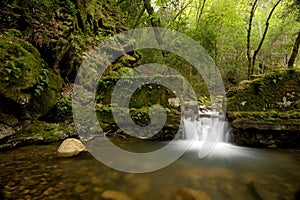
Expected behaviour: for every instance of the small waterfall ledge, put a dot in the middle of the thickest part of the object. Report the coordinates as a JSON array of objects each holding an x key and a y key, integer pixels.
[{"x": 208, "y": 129}]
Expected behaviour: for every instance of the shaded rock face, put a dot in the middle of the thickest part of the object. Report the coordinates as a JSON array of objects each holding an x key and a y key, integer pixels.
[
  {"x": 27, "y": 84},
  {"x": 30, "y": 133},
  {"x": 265, "y": 111},
  {"x": 139, "y": 106},
  {"x": 28, "y": 87},
  {"x": 42, "y": 46}
]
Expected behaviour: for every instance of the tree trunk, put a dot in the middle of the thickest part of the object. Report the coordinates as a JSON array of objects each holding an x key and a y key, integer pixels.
[
  {"x": 263, "y": 37},
  {"x": 155, "y": 22},
  {"x": 295, "y": 51},
  {"x": 249, "y": 38},
  {"x": 251, "y": 60}
]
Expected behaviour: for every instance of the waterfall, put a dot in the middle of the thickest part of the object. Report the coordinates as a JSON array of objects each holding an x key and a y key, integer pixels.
[{"x": 207, "y": 129}]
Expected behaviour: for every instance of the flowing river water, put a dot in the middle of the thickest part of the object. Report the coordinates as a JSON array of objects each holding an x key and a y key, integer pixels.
[
  {"x": 35, "y": 172},
  {"x": 228, "y": 172}
]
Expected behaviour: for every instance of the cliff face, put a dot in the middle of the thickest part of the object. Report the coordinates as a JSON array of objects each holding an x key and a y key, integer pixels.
[
  {"x": 42, "y": 46},
  {"x": 266, "y": 111}
]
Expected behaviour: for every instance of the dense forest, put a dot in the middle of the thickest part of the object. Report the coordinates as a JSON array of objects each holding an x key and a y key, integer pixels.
[
  {"x": 244, "y": 38},
  {"x": 217, "y": 77},
  {"x": 44, "y": 43}
]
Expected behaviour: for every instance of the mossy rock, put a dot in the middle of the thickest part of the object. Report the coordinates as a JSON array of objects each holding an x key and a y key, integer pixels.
[
  {"x": 139, "y": 116},
  {"x": 25, "y": 79},
  {"x": 20, "y": 65},
  {"x": 48, "y": 98},
  {"x": 278, "y": 90},
  {"x": 265, "y": 111},
  {"x": 38, "y": 133}
]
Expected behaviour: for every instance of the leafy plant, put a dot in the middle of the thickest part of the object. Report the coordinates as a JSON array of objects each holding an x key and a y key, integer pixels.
[
  {"x": 12, "y": 69},
  {"x": 275, "y": 78},
  {"x": 64, "y": 103},
  {"x": 43, "y": 82}
]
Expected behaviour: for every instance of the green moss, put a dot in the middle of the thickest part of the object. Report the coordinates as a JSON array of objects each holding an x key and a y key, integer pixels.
[
  {"x": 20, "y": 65},
  {"x": 269, "y": 120},
  {"x": 278, "y": 90},
  {"x": 41, "y": 131},
  {"x": 48, "y": 98}
]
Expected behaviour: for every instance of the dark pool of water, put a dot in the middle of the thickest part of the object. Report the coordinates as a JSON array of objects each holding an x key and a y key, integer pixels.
[{"x": 36, "y": 172}]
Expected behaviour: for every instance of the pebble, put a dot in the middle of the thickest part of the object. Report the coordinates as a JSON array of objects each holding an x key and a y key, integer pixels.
[
  {"x": 48, "y": 191},
  {"x": 80, "y": 189},
  {"x": 98, "y": 189},
  {"x": 192, "y": 194},
  {"x": 26, "y": 191},
  {"x": 115, "y": 195}
]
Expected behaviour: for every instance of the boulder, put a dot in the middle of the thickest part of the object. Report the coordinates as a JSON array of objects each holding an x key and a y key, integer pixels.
[
  {"x": 29, "y": 88},
  {"x": 71, "y": 147}
]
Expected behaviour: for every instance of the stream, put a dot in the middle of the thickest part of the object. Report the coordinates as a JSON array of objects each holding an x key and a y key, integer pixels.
[{"x": 230, "y": 172}]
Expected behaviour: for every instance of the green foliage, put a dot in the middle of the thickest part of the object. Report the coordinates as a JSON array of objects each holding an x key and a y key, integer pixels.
[
  {"x": 43, "y": 82},
  {"x": 65, "y": 104},
  {"x": 275, "y": 91},
  {"x": 275, "y": 78},
  {"x": 13, "y": 69},
  {"x": 204, "y": 100},
  {"x": 222, "y": 30}
]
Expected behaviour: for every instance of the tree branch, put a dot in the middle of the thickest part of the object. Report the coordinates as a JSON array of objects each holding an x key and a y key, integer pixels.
[
  {"x": 154, "y": 23},
  {"x": 182, "y": 9},
  {"x": 200, "y": 13},
  {"x": 264, "y": 36}
]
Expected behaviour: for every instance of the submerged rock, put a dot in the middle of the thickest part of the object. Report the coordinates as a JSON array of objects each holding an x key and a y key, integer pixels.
[
  {"x": 191, "y": 194},
  {"x": 71, "y": 147},
  {"x": 115, "y": 195}
]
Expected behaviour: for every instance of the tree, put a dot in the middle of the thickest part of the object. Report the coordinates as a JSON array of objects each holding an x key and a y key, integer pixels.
[
  {"x": 295, "y": 6},
  {"x": 295, "y": 51},
  {"x": 252, "y": 59}
]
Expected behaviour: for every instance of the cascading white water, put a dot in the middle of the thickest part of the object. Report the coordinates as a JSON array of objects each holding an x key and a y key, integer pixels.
[
  {"x": 207, "y": 126},
  {"x": 207, "y": 130}
]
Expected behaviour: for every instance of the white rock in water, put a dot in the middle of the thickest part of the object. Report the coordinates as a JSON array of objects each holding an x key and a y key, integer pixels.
[{"x": 71, "y": 147}]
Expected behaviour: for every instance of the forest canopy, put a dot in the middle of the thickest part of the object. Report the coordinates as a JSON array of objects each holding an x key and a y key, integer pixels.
[{"x": 244, "y": 38}]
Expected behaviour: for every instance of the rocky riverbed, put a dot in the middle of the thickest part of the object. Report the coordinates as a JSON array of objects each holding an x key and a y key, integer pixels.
[{"x": 36, "y": 172}]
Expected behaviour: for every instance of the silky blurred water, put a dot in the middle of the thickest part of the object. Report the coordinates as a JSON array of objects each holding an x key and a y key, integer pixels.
[{"x": 228, "y": 172}]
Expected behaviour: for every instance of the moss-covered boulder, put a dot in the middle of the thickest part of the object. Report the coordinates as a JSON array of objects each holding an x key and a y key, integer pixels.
[
  {"x": 140, "y": 101},
  {"x": 265, "y": 111},
  {"x": 28, "y": 88}
]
